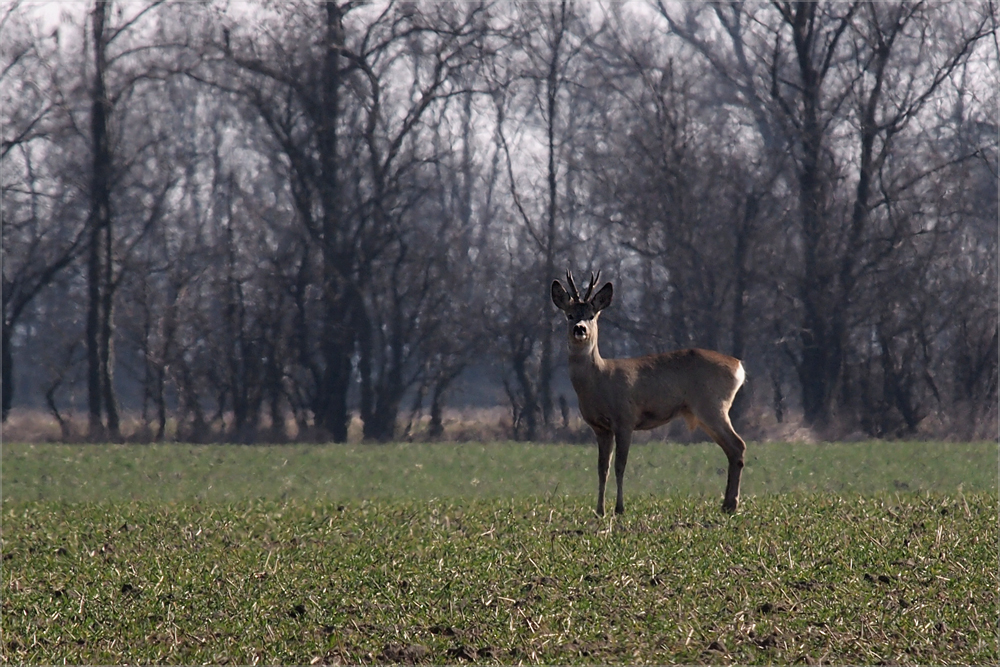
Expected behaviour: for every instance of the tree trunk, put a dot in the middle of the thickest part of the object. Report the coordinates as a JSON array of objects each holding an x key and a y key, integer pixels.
[
  {"x": 338, "y": 347},
  {"x": 107, "y": 344},
  {"x": 100, "y": 229},
  {"x": 820, "y": 363},
  {"x": 551, "y": 111},
  {"x": 435, "y": 429},
  {"x": 381, "y": 424},
  {"x": 7, "y": 362},
  {"x": 380, "y": 400},
  {"x": 339, "y": 341},
  {"x": 334, "y": 416},
  {"x": 529, "y": 411}
]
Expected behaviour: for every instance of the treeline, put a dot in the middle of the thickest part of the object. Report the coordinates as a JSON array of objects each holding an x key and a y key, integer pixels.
[{"x": 236, "y": 215}]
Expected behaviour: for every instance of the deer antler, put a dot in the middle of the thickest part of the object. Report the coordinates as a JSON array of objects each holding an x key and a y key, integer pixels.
[
  {"x": 593, "y": 284},
  {"x": 572, "y": 285}
]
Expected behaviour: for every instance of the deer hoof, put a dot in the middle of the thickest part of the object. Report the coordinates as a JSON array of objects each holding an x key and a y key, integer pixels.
[{"x": 730, "y": 505}]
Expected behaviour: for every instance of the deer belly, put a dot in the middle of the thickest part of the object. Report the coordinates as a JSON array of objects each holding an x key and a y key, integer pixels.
[{"x": 648, "y": 419}]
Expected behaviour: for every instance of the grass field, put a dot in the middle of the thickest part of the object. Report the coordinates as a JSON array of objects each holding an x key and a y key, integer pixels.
[
  {"x": 858, "y": 553},
  {"x": 230, "y": 473}
]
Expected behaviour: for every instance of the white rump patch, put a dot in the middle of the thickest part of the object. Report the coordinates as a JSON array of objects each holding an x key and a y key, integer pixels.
[{"x": 741, "y": 375}]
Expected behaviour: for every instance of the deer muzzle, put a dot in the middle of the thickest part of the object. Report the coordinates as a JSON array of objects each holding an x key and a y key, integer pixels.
[{"x": 580, "y": 332}]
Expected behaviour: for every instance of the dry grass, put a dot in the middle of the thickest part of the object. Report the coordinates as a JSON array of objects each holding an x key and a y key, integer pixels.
[
  {"x": 755, "y": 423},
  {"x": 460, "y": 425}
]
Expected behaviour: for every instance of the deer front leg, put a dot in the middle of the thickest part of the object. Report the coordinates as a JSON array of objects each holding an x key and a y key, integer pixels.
[
  {"x": 605, "y": 439},
  {"x": 624, "y": 440}
]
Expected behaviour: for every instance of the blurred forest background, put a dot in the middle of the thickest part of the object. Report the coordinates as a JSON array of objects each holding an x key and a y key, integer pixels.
[{"x": 259, "y": 221}]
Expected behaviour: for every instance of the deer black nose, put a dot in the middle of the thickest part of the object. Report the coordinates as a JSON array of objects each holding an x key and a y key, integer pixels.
[{"x": 579, "y": 331}]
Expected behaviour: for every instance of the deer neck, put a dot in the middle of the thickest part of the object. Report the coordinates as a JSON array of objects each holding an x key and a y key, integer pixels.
[{"x": 585, "y": 360}]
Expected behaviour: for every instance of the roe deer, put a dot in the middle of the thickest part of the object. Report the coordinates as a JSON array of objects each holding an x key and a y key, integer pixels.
[{"x": 618, "y": 396}]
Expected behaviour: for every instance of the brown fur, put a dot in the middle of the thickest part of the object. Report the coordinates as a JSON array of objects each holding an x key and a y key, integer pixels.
[{"x": 619, "y": 396}]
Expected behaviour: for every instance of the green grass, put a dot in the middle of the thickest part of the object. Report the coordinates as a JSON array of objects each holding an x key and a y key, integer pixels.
[
  {"x": 228, "y": 473},
  {"x": 906, "y": 578},
  {"x": 858, "y": 553}
]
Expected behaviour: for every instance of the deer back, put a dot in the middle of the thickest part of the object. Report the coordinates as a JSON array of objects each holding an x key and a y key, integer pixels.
[{"x": 645, "y": 392}]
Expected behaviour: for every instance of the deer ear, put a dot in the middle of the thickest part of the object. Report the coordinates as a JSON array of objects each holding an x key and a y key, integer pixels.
[
  {"x": 560, "y": 296},
  {"x": 602, "y": 299}
]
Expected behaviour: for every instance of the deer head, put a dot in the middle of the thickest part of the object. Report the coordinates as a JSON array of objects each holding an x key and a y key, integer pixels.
[{"x": 582, "y": 312}]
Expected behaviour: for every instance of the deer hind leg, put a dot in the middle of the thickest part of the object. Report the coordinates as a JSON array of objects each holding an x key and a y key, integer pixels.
[
  {"x": 624, "y": 441},
  {"x": 605, "y": 441},
  {"x": 721, "y": 430}
]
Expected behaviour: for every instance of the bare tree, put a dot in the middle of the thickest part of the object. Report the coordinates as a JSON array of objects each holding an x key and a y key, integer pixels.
[
  {"x": 820, "y": 66},
  {"x": 126, "y": 200},
  {"x": 365, "y": 86},
  {"x": 356, "y": 205},
  {"x": 41, "y": 234},
  {"x": 539, "y": 84}
]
